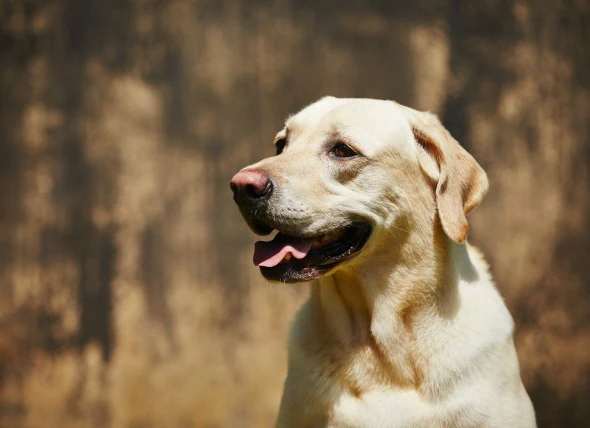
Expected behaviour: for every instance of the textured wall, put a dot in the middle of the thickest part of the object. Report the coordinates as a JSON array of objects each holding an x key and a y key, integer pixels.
[{"x": 127, "y": 295}]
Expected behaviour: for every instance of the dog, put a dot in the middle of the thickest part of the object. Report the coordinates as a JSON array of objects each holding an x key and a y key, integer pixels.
[{"x": 404, "y": 326}]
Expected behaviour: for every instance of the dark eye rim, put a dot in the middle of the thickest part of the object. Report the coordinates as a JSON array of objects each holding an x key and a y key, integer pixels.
[
  {"x": 349, "y": 151},
  {"x": 280, "y": 145}
]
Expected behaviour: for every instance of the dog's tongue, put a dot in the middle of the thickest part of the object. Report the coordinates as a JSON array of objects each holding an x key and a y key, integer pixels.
[{"x": 270, "y": 253}]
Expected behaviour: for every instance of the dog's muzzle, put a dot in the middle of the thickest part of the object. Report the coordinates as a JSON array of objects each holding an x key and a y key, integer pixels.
[
  {"x": 251, "y": 187},
  {"x": 252, "y": 190}
]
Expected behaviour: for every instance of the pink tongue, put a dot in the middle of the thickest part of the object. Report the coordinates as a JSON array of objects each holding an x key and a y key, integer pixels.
[{"x": 270, "y": 253}]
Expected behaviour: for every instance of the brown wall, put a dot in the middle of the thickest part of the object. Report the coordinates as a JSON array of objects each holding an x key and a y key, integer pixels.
[{"x": 127, "y": 295}]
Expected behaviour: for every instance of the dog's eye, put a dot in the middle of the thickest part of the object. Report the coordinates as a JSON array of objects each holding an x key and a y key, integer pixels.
[
  {"x": 280, "y": 145},
  {"x": 341, "y": 150}
]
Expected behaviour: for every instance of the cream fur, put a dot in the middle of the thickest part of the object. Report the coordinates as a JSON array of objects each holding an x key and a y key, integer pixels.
[{"x": 412, "y": 332}]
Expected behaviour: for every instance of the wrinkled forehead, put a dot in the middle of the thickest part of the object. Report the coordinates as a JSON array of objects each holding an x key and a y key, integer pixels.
[{"x": 372, "y": 124}]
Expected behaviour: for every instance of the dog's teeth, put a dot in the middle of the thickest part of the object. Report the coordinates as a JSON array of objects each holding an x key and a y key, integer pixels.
[
  {"x": 287, "y": 257},
  {"x": 325, "y": 239},
  {"x": 337, "y": 235}
]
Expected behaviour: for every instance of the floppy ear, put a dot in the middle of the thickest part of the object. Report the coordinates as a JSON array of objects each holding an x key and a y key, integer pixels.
[{"x": 462, "y": 183}]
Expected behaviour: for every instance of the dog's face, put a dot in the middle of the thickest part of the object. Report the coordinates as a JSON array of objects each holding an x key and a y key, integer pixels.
[{"x": 346, "y": 173}]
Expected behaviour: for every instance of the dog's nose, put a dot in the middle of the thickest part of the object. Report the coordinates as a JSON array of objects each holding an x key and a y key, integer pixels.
[{"x": 251, "y": 185}]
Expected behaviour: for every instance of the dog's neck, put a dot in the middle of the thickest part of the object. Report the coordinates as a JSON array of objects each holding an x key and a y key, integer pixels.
[{"x": 376, "y": 305}]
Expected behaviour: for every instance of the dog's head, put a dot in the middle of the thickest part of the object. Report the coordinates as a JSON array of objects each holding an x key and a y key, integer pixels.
[{"x": 347, "y": 174}]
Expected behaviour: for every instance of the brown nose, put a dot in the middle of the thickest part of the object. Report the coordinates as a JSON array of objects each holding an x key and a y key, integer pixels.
[{"x": 251, "y": 186}]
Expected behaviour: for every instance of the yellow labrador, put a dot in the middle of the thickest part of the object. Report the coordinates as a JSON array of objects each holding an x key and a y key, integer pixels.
[{"x": 403, "y": 327}]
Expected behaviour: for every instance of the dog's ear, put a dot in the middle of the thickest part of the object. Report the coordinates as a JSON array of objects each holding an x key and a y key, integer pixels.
[{"x": 461, "y": 184}]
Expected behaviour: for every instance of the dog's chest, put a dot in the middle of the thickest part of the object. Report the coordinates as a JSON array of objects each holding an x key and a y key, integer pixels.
[
  {"x": 367, "y": 364},
  {"x": 363, "y": 369},
  {"x": 399, "y": 408},
  {"x": 372, "y": 385}
]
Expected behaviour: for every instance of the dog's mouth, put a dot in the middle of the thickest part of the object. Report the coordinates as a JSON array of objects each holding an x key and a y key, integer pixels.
[{"x": 293, "y": 259}]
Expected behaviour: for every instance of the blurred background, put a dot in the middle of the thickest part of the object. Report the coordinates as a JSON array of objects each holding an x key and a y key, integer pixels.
[{"x": 127, "y": 293}]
